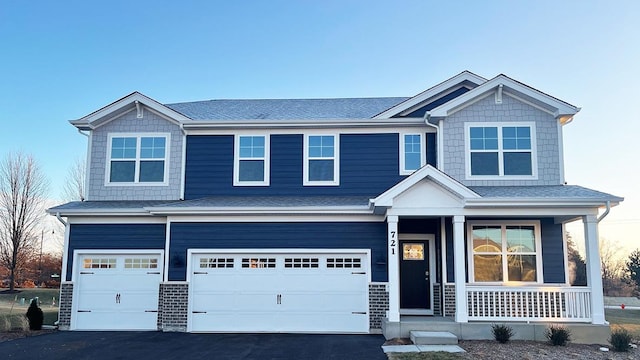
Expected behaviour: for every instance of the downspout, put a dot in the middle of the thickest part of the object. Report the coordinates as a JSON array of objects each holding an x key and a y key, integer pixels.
[
  {"x": 60, "y": 219},
  {"x": 605, "y": 213},
  {"x": 426, "y": 117},
  {"x": 184, "y": 160}
]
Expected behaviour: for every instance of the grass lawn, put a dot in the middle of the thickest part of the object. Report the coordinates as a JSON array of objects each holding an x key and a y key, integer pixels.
[
  {"x": 12, "y": 309},
  {"x": 628, "y": 319}
]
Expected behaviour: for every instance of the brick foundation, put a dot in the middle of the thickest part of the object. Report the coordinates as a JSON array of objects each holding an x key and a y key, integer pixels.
[
  {"x": 378, "y": 304},
  {"x": 172, "y": 306}
]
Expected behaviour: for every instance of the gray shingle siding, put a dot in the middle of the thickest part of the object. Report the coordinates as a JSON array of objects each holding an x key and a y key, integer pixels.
[
  {"x": 128, "y": 123},
  {"x": 511, "y": 110}
]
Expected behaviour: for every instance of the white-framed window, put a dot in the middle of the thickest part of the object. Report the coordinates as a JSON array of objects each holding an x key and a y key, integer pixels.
[
  {"x": 499, "y": 150},
  {"x": 251, "y": 160},
  {"x": 412, "y": 153},
  {"x": 321, "y": 160},
  {"x": 504, "y": 251},
  {"x": 137, "y": 159}
]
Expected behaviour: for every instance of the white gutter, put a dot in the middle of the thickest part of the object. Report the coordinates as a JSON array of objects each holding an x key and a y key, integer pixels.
[{"x": 297, "y": 124}]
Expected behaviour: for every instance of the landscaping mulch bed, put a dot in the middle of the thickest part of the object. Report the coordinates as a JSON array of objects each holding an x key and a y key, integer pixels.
[{"x": 527, "y": 350}]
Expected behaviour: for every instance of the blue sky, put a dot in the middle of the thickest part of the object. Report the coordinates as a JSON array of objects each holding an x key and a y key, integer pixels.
[{"x": 60, "y": 60}]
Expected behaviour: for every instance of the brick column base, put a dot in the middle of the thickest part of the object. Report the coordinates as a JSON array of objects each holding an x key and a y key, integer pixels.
[
  {"x": 378, "y": 304},
  {"x": 64, "y": 311}
]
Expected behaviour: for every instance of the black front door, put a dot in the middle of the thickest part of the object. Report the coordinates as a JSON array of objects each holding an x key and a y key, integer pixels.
[{"x": 415, "y": 284}]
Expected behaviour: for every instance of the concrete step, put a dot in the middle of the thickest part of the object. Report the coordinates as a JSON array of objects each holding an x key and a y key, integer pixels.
[{"x": 433, "y": 338}]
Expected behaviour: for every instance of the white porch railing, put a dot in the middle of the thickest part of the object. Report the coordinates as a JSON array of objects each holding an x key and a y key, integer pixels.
[{"x": 543, "y": 303}]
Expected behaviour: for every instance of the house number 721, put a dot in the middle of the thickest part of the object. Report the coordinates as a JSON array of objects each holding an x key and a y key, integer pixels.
[{"x": 393, "y": 242}]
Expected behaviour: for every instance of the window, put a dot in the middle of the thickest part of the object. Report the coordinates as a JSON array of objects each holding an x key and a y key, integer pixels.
[
  {"x": 505, "y": 252},
  {"x": 501, "y": 150},
  {"x": 251, "y": 165},
  {"x": 321, "y": 165},
  {"x": 412, "y": 156},
  {"x": 135, "y": 159},
  {"x": 299, "y": 263}
]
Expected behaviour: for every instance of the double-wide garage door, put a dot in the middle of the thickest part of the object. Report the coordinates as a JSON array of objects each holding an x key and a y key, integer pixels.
[
  {"x": 279, "y": 292},
  {"x": 117, "y": 291}
]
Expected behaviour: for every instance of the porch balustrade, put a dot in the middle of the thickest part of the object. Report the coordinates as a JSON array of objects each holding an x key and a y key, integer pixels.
[{"x": 543, "y": 303}]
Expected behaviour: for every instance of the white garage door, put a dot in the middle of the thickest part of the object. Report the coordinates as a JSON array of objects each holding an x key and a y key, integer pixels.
[
  {"x": 279, "y": 292},
  {"x": 117, "y": 291}
]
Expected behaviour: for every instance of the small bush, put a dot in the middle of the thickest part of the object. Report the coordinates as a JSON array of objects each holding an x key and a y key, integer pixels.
[
  {"x": 620, "y": 340},
  {"x": 558, "y": 335},
  {"x": 502, "y": 333}
]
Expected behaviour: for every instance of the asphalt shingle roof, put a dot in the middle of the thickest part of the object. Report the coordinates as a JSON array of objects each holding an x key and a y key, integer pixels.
[
  {"x": 286, "y": 109},
  {"x": 546, "y": 192}
]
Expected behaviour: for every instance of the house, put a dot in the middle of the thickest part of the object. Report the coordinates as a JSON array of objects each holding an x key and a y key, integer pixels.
[{"x": 329, "y": 215}]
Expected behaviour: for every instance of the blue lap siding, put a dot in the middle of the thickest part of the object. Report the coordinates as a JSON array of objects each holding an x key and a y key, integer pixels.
[
  {"x": 369, "y": 165},
  {"x": 114, "y": 237},
  {"x": 320, "y": 235}
]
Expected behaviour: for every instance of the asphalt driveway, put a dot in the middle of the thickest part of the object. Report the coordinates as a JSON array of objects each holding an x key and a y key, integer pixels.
[{"x": 158, "y": 345}]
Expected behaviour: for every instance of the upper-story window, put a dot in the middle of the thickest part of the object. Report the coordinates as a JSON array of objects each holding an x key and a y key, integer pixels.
[
  {"x": 501, "y": 150},
  {"x": 505, "y": 252},
  {"x": 137, "y": 159},
  {"x": 251, "y": 165},
  {"x": 321, "y": 163},
  {"x": 412, "y": 154}
]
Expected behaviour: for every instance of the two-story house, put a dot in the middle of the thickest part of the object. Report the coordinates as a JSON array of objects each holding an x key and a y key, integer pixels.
[{"x": 347, "y": 215}]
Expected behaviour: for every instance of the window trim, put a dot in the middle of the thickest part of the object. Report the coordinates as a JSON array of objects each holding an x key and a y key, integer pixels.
[
  {"x": 503, "y": 225},
  {"x": 402, "y": 155},
  {"x": 266, "y": 159},
  {"x": 335, "y": 158},
  {"x": 138, "y": 136},
  {"x": 500, "y": 176}
]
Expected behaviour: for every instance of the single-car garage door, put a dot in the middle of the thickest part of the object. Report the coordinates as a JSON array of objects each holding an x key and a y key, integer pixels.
[
  {"x": 117, "y": 291},
  {"x": 279, "y": 292}
]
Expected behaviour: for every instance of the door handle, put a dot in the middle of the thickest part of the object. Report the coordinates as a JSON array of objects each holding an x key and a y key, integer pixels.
[
  {"x": 279, "y": 299},
  {"x": 118, "y": 298}
]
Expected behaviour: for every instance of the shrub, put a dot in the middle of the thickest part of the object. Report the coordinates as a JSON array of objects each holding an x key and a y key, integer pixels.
[
  {"x": 35, "y": 315},
  {"x": 502, "y": 333},
  {"x": 620, "y": 340},
  {"x": 558, "y": 335}
]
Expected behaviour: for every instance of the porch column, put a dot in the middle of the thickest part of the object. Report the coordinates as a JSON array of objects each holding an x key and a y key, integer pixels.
[
  {"x": 394, "y": 269},
  {"x": 462, "y": 314},
  {"x": 594, "y": 275}
]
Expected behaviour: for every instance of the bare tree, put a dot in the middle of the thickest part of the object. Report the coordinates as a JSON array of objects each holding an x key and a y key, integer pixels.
[
  {"x": 613, "y": 266},
  {"x": 74, "y": 183},
  {"x": 23, "y": 187}
]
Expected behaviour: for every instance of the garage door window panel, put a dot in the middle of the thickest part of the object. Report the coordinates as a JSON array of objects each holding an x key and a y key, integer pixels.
[
  {"x": 344, "y": 263},
  {"x": 99, "y": 263},
  {"x": 140, "y": 263},
  {"x": 301, "y": 263},
  {"x": 216, "y": 263},
  {"x": 259, "y": 263}
]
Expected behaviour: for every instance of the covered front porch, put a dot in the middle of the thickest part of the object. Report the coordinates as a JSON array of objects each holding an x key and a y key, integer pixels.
[{"x": 457, "y": 259}]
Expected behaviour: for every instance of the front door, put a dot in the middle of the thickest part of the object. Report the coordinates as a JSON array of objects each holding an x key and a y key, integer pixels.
[{"x": 415, "y": 276}]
